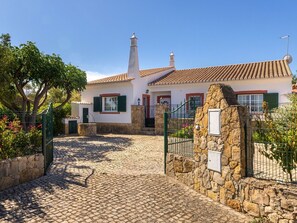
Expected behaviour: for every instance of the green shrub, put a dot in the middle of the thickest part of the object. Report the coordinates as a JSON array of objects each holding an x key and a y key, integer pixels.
[
  {"x": 277, "y": 130},
  {"x": 186, "y": 132},
  {"x": 14, "y": 141},
  {"x": 59, "y": 114},
  {"x": 6, "y": 112}
]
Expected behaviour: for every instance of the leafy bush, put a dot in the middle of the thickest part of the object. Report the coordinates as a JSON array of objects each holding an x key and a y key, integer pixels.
[
  {"x": 186, "y": 132},
  {"x": 59, "y": 114},
  {"x": 277, "y": 130},
  {"x": 6, "y": 112},
  {"x": 14, "y": 141}
]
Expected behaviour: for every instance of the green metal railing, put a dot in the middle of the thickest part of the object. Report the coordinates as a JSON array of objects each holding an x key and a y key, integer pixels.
[
  {"x": 179, "y": 130},
  {"x": 47, "y": 137}
]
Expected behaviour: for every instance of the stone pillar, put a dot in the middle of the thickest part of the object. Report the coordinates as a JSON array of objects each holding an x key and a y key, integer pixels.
[
  {"x": 159, "y": 118},
  {"x": 221, "y": 186},
  {"x": 137, "y": 117},
  {"x": 66, "y": 128}
]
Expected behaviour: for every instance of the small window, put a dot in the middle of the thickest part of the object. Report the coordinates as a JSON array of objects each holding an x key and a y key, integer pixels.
[
  {"x": 110, "y": 104},
  {"x": 253, "y": 101},
  {"x": 195, "y": 101}
]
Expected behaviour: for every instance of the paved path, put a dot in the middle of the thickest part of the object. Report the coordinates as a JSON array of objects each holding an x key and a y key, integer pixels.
[{"x": 110, "y": 178}]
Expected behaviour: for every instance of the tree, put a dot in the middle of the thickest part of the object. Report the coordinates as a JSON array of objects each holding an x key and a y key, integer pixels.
[
  {"x": 278, "y": 132},
  {"x": 294, "y": 79},
  {"x": 26, "y": 67}
]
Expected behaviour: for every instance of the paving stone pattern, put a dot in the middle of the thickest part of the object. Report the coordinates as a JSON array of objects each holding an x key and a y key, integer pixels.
[{"x": 110, "y": 178}]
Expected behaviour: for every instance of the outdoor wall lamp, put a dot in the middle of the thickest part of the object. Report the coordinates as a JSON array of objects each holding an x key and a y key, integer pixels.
[
  {"x": 147, "y": 91},
  {"x": 138, "y": 101}
]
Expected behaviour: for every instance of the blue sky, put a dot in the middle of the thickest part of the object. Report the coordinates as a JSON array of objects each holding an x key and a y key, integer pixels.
[{"x": 94, "y": 34}]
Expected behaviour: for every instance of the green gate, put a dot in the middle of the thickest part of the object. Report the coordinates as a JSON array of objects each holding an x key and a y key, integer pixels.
[
  {"x": 179, "y": 130},
  {"x": 47, "y": 137}
]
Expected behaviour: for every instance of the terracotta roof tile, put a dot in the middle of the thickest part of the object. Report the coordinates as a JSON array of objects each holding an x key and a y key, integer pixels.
[
  {"x": 115, "y": 78},
  {"x": 124, "y": 77},
  {"x": 267, "y": 69}
]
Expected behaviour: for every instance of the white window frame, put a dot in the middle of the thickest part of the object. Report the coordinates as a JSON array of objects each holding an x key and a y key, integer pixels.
[
  {"x": 114, "y": 104},
  {"x": 255, "y": 105}
]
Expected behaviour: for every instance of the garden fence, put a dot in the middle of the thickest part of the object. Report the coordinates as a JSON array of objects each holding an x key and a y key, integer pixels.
[{"x": 273, "y": 154}]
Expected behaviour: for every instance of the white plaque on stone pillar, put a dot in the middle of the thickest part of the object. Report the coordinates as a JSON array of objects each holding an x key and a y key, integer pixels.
[
  {"x": 214, "y": 161},
  {"x": 214, "y": 121}
]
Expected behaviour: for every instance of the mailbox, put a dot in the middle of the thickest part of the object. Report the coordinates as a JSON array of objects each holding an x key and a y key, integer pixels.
[
  {"x": 214, "y": 121},
  {"x": 214, "y": 161}
]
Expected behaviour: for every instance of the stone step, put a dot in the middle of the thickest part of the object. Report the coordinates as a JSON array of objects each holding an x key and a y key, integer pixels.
[{"x": 148, "y": 129}]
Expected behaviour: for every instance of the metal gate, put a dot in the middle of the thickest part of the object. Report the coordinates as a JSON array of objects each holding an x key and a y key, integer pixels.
[
  {"x": 179, "y": 130},
  {"x": 47, "y": 137}
]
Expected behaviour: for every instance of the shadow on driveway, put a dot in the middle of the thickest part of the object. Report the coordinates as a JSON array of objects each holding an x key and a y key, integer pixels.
[{"x": 20, "y": 203}]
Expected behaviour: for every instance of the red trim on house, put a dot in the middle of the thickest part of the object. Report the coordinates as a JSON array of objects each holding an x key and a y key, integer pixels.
[
  {"x": 251, "y": 92},
  {"x": 110, "y": 113},
  {"x": 195, "y": 94},
  {"x": 110, "y": 95},
  {"x": 162, "y": 96}
]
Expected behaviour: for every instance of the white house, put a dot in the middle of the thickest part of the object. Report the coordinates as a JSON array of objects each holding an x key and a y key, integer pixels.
[{"x": 108, "y": 101}]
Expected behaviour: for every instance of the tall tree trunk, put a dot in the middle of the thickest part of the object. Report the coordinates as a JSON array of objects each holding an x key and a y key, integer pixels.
[{"x": 23, "y": 116}]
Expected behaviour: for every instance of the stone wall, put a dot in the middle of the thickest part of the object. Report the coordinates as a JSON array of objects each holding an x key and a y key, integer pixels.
[
  {"x": 20, "y": 170},
  {"x": 116, "y": 128},
  {"x": 159, "y": 119},
  {"x": 87, "y": 129},
  {"x": 257, "y": 198},
  {"x": 137, "y": 119},
  {"x": 278, "y": 202},
  {"x": 230, "y": 187}
]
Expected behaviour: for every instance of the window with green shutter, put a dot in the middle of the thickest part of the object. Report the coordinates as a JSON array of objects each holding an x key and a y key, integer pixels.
[
  {"x": 271, "y": 99},
  {"x": 122, "y": 103},
  {"x": 97, "y": 104}
]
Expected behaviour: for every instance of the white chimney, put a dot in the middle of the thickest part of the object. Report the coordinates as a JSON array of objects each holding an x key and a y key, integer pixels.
[
  {"x": 133, "y": 68},
  {"x": 171, "y": 63}
]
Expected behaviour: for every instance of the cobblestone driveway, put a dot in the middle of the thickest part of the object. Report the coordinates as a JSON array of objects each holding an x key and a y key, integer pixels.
[{"x": 110, "y": 178}]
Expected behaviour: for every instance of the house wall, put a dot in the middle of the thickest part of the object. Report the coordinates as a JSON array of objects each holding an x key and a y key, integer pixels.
[
  {"x": 74, "y": 109},
  {"x": 156, "y": 94},
  {"x": 140, "y": 84},
  {"x": 123, "y": 88},
  {"x": 178, "y": 92},
  {"x": 80, "y": 112}
]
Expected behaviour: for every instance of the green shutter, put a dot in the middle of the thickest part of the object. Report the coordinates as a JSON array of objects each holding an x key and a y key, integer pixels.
[
  {"x": 97, "y": 104},
  {"x": 271, "y": 99},
  {"x": 122, "y": 103}
]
